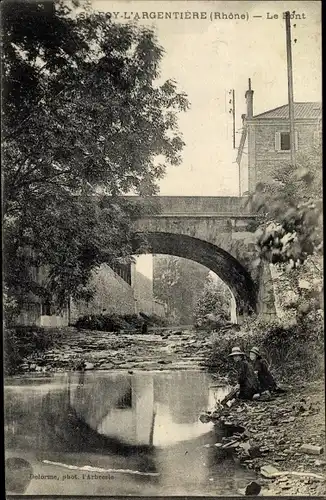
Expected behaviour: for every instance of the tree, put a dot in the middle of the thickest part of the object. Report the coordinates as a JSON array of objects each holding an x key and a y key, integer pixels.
[
  {"x": 178, "y": 283},
  {"x": 290, "y": 206},
  {"x": 83, "y": 118},
  {"x": 165, "y": 278},
  {"x": 214, "y": 304}
]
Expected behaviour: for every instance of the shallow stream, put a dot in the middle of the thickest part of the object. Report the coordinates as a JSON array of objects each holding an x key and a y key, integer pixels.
[{"x": 114, "y": 433}]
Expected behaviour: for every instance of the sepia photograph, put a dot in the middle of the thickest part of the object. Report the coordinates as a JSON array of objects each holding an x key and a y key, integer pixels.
[{"x": 162, "y": 201}]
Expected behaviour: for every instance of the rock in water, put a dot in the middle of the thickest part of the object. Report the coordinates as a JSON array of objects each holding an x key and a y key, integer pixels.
[
  {"x": 269, "y": 471},
  {"x": 89, "y": 366},
  {"x": 252, "y": 489}
]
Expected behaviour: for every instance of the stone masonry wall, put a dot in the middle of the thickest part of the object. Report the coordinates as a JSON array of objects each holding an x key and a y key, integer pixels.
[
  {"x": 289, "y": 293},
  {"x": 266, "y": 295},
  {"x": 142, "y": 285},
  {"x": 143, "y": 292},
  {"x": 112, "y": 294},
  {"x": 244, "y": 181},
  {"x": 266, "y": 157}
]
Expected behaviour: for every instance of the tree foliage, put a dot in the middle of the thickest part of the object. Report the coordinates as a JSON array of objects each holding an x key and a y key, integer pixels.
[
  {"x": 214, "y": 303},
  {"x": 178, "y": 283},
  {"x": 83, "y": 118},
  {"x": 290, "y": 206}
]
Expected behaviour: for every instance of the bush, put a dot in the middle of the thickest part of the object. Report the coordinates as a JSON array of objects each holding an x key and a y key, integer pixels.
[
  {"x": 115, "y": 323},
  {"x": 155, "y": 320},
  {"x": 213, "y": 306},
  {"x": 21, "y": 341},
  {"x": 293, "y": 351},
  {"x": 133, "y": 320},
  {"x": 102, "y": 322},
  {"x": 10, "y": 307}
]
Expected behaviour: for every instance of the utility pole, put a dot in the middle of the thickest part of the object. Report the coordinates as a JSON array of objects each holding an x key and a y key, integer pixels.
[
  {"x": 232, "y": 110},
  {"x": 233, "y": 116},
  {"x": 290, "y": 86}
]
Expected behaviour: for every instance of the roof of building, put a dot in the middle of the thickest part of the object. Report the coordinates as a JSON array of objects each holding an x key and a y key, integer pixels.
[{"x": 308, "y": 110}]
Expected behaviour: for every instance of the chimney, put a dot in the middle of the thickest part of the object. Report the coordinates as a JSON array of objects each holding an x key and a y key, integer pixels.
[{"x": 250, "y": 101}]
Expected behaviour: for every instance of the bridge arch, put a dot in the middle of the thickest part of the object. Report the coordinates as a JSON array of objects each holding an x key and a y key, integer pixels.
[{"x": 209, "y": 255}]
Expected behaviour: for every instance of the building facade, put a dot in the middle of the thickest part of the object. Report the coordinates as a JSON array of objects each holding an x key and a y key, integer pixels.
[{"x": 265, "y": 139}]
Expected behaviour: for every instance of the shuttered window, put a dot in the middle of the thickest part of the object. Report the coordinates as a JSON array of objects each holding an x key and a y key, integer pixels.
[
  {"x": 277, "y": 141},
  {"x": 285, "y": 141},
  {"x": 282, "y": 141}
]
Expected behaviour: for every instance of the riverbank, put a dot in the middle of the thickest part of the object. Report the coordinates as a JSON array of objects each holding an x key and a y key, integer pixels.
[
  {"x": 283, "y": 440},
  {"x": 276, "y": 430}
]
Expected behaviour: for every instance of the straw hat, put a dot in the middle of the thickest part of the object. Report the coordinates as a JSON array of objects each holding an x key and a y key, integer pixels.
[
  {"x": 255, "y": 350},
  {"x": 236, "y": 351}
]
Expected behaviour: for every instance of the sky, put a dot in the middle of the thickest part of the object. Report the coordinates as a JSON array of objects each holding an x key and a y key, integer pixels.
[{"x": 209, "y": 57}]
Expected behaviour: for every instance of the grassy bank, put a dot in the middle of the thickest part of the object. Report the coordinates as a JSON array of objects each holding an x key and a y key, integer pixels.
[
  {"x": 277, "y": 430},
  {"x": 22, "y": 341},
  {"x": 293, "y": 351}
]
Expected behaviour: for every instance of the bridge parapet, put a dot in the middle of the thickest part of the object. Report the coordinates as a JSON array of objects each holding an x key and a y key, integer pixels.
[{"x": 194, "y": 205}]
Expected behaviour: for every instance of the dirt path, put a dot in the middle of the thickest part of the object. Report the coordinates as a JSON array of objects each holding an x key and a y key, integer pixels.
[{"x": 107, "y": 351}]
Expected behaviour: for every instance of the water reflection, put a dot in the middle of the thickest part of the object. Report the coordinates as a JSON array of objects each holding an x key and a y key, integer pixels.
[{"x": 140, "y": 427}]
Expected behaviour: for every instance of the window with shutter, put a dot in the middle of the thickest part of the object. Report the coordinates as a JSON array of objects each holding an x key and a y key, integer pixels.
[
  {"x": 283, "y": 141},
  {"x": 277, "y": 141}
]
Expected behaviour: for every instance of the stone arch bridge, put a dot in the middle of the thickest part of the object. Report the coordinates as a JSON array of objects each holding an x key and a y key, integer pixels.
[{"x": 217, "y": 232}]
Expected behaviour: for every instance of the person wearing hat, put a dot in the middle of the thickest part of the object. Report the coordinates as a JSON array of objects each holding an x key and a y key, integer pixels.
[
  {"x": 247, "y": 379},
  {"x": 260, "y": 365}
]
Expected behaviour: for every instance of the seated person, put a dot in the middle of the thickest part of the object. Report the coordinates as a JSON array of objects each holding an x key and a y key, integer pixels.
[
  {"x": 265, "y": 378},
  {"x": 248, "y": 384}
]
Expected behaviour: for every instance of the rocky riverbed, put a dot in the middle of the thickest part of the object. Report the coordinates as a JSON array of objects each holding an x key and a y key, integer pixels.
[
  {"x": 282, "y": 439},
  {"x": 158, "y": 350}
]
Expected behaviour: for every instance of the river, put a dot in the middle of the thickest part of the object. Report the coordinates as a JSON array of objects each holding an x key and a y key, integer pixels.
[{"x": 114, "y": 433}]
